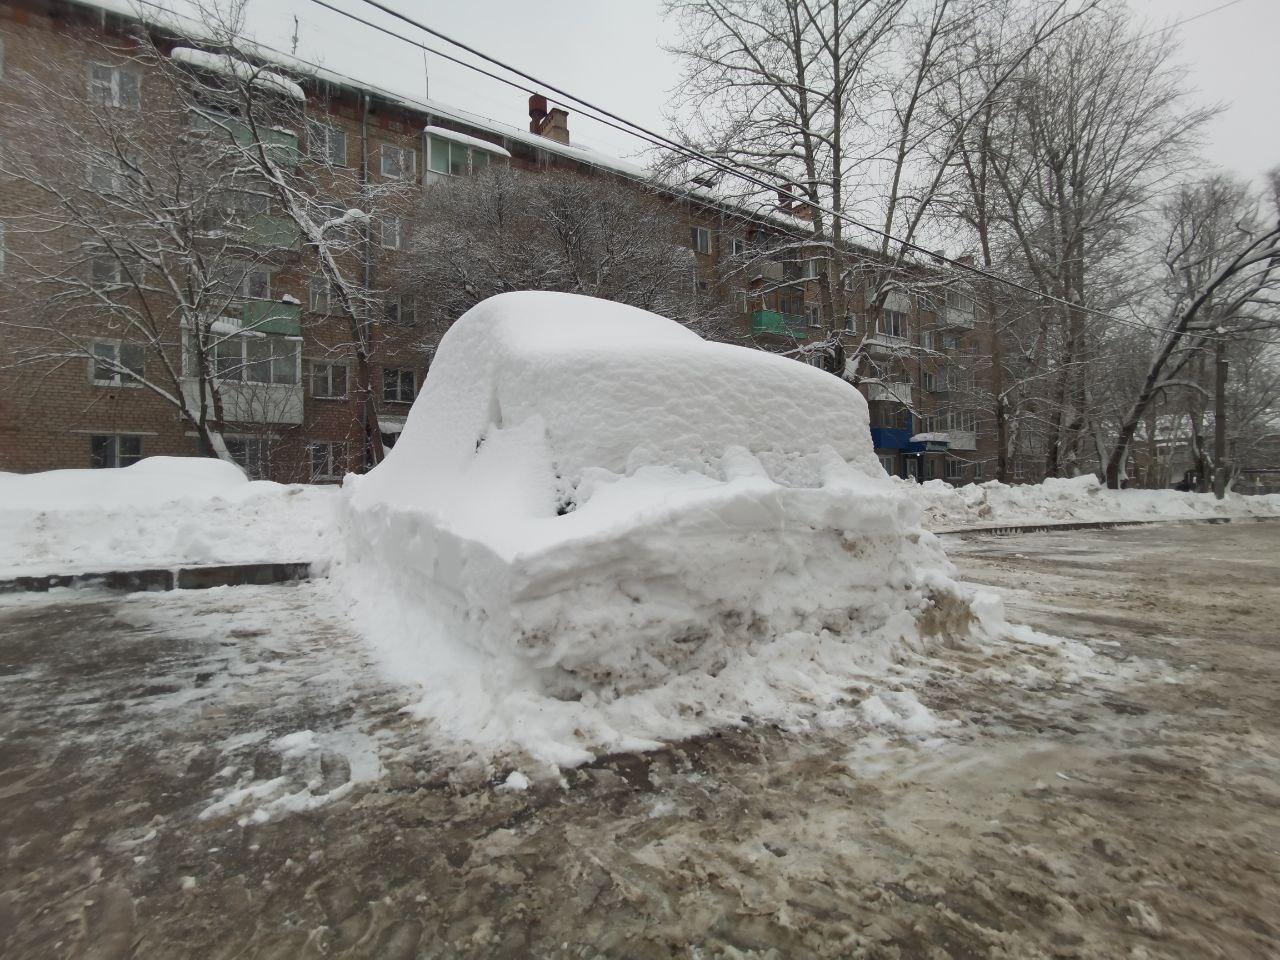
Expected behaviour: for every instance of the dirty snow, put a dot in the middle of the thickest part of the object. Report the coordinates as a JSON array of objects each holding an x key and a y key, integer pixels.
[
  {"x": 598, "y": 532},
  {"x": 1081, "y": 499}
]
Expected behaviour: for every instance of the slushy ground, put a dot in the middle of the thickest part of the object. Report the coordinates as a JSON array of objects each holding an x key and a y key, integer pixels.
[{"x": 225, "y": 774}]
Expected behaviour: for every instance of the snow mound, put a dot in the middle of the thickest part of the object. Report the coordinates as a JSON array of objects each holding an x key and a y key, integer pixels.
[
  {"x": 598, "y": 530},
  {"x": 1064, "y": 500},
  {"x": 159, "y": 512}
]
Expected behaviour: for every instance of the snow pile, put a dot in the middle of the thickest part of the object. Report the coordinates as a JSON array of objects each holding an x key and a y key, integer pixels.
[
  {"x": 598, "y": 531},
  {"x": 161, "y": 511},
  {"x": 1075, "y": 499}
]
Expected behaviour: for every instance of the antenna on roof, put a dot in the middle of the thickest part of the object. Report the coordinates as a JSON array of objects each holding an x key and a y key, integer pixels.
[
  {"x": 293, "y": 48},
  {"x": 426, "y": 75}
]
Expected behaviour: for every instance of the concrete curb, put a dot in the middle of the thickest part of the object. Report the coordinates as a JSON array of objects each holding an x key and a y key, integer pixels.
[
  {"x": 173, "y": 578},
  {"x": 1012, "y": 528}
]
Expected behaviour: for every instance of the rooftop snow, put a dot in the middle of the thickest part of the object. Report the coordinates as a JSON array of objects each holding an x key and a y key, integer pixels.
[{"x": 231, "y": 67}]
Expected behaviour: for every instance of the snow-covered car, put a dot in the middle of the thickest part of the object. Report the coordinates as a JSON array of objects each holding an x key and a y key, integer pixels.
[{"x": 588, "y": 500}]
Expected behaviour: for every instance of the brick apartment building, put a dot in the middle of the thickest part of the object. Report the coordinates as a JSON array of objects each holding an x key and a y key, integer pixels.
[{"x": 300, "y": 422}]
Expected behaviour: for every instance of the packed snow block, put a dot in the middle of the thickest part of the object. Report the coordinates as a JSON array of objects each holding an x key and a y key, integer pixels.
[{"x": 587, "y": 497}]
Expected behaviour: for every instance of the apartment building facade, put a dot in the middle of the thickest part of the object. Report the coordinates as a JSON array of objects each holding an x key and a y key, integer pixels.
[{"x": 292, "y": 413}]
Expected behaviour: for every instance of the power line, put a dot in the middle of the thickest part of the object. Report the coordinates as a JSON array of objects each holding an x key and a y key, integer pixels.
[
  {"x": 1178, "y": 23},
  {"x": 623, "y": 125},
  {"x": 658, "y": 139}
]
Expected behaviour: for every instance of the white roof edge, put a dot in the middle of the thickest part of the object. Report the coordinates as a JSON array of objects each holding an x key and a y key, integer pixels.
[
  {"x": 228, "y": 65},
  {"x": 475, "y": 142}
]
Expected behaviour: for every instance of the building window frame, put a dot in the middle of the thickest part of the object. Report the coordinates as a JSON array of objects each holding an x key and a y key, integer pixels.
[
  {"x": 399, "y": 385},
  {"x": 391, "y": 233},
  {"x": 114, "y": 450},
  {"x": 249, "y": 453},
  {"x": 894, "y": 323},
  {"x": 700, "y": 237},
  {"x": 115, "y": 86},
  {"x": 397, "y": 163},
  {"x": 327, "y": 143},
  {"x": 119, "y": 353},
  {"x": 329, "y": 380},
  {"x": 327, "y": 459}
]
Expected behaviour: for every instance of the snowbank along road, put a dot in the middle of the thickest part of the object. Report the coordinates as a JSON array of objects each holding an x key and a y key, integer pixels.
[{"x": 220, "y": 774}]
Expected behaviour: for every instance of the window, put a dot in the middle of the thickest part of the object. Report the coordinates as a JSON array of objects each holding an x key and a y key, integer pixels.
[
  {"x": 702, "y": 240},
  {"x": 740, "y": 300},
  {"x": 327, "y": 460},
  {"x": 116, "y": 364},
  {"x": 250, "y": 453},
  {"x": 113, "y": 86},
  {"x": 849, "y": 323},
  {"x": 814, "y": 315},
  {"x": 247, "y": 282},
  {"x": 960, "y": 301},
  {"x": 926, "y": 339},
  {"x": 447, "y": 157},
  {"x": 328, "y": 380},
  {"x": 397, "y": 163},
  {"x": 114, "y": 450},
  {"x": 813, "y": 268},
  {"x": 109, "y": 175},
  {"x": 977, "y": 472},
  {"x": 738, "y": 247},
  {"x": 950, "y": 342},
  {"x": 929, "y": 381},
  {"x": 930, "y": 468},
  {"x": 104, "y": 272},
  {"x": 389, "y": 233},
  {"x": 955, "y": 469},
  {"x": 327, "y": 144},
  {"x": 398, "y": 386},
  {"x": 318, "y": 295},
  {"x": 402, "y": 309},
  {"x": 1019, "y": 470},
  {"x": 252, "y": 359},
  {"x": 893, "y": 323},
  {"x": 888, "y": 464}
]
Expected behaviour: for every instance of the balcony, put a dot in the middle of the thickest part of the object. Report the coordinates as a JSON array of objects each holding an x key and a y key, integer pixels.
[
  {"x": 263, "y": 230},
  {"x": 778, "y": 324},
  {"x": 963, "y": 439},
  {"x": 272, "y": 317},
  {"x": 896, "y": 392},
  {"x": 890, "y": 438},
  {"x": 885, "y": 343},
  {"x": 956, "y": 318},
  {"x": 765, "y": 270}
]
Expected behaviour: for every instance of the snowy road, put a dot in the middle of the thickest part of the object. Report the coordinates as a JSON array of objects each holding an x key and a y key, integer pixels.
[{"x": 222, "y": 774}]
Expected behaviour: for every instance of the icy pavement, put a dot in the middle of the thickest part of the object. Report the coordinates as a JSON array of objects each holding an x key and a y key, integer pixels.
[{"x": 1115, "y": 798}]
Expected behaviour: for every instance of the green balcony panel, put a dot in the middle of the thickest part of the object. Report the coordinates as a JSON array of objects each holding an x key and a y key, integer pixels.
[
  {"x": 282, "y": 144},
  {"x": 272, "y": 316},
  {"x": 779, "y": 324},
  {"x": 274, "y": 232}
]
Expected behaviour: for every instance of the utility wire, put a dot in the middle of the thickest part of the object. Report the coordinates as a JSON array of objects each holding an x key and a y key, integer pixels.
[
  {"x": 653, "y": 137},
  {"x": 606, "y": 117}
]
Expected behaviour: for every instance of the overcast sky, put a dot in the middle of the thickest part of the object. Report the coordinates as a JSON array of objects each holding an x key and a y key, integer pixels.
[{"x": 609, "y": 51}]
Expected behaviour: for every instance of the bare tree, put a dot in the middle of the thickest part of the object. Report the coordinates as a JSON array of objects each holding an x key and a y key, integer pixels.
[
  {"x": 1097, "y": 124},
  {"x": 250, "y": 104},
  {"x": 1222, "y": 262},
  {"x": 505, "y": 229},
  {"x": 135, "y": 239}
]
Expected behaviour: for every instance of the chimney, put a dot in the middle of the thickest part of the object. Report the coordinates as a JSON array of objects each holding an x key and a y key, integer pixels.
[
  {"x": 556, "y": 126},
  {"x": 537, "y": 112},
  {"x": 552, "y": 124}
]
